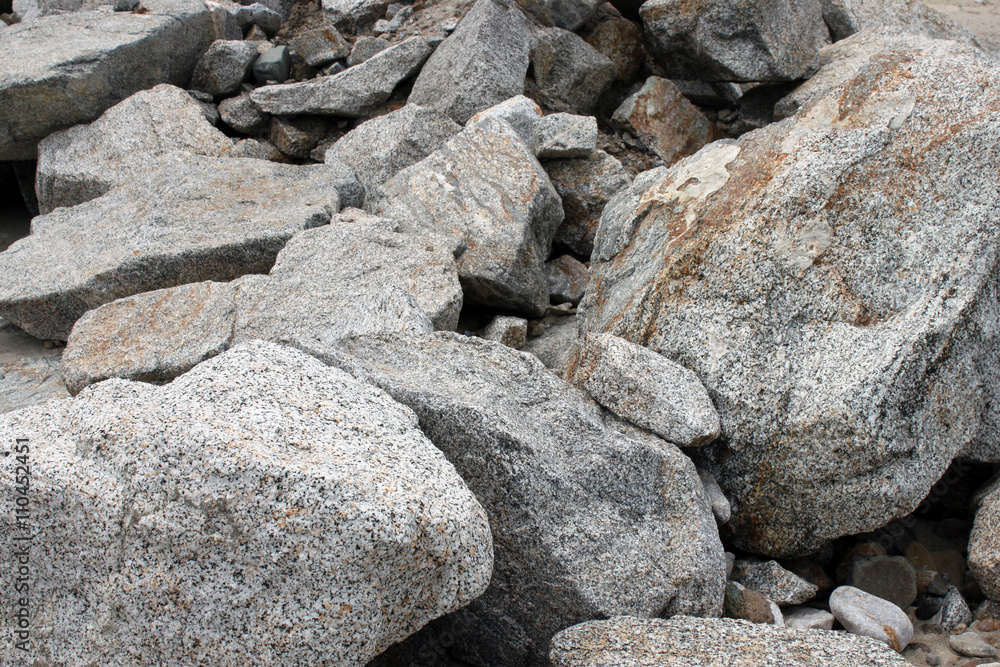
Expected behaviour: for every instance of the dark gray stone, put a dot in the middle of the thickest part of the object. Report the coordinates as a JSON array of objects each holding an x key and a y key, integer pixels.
[
  {"x": 570, "y": 70},
  {"x": 564, "y": 135},
  {"x": 273, "y": 65},
  {"x": 365, "y": 48}
]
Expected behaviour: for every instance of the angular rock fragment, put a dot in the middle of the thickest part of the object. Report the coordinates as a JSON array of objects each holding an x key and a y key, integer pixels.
[
  {"x": 646, "y": 389},
  {"x": 84, "y": 162},
  {"x": 553, "y": 342},
  {"x": 749, "y": 605},
  {"x": 62, "y": 70},
  {"x": 984, "y": 546},
  {"x": 808, "y": 618},
  {"x": 772, "y": 581},
  {"x": 862, "y": 230},
  {"x": 684, "y": 641},
  {"x": 570, "y": 70},
  {"x": 721, "y": 507},
  {"x": 29, "y": 373},
  {"x": 224, "y": 67},
  {"x": 719, "y": 40},
  {"x": 585, "y": 186},
  {"x": 564, "y": 485},
  {"x": 223, "y": 477},
  {"x": 846, "y": 17},
  {"x": 255, "y": 14},
  {"x": 621, "y": 41},
  {"x": 520, "y": 112},
  {"x": 242, "y": 115},
  {"x": 481, "y": 64},
  {"x": 564, "y": 135},
  {"x": 320, "y": 46},
  {"x": 891, "y": 578},
  {"x": 664, "y": 120},
  {"x": 864, "y": 614},
  {"x": 365, "y": 48},
  {"x": 354, "y": 92},
  {"x": 351, "y": 15},
  {"x": 510, "y": 331},
  {"x": 298, "y": 137},
  {"x": 185, "y": 219},
  {"x": 484, "y": 187},
  {"x": 567, "y": 279},
  {"x": 568, "y": 14}
]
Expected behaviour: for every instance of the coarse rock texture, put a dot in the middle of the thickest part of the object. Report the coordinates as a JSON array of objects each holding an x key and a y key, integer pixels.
[
  {"x": 58, "y": 71},
  {"x": 351, "y": 15},
  {"x": 720, "y": 40},
  {"x": 182, "y": 520},
  {"x": 646, "y": 389},
  {"x": 749, "y": 605},
  {"x": 481, "y": 64},
  {"x": 321, "y": 46},
  {"x": 866, "y": 615},
  {"x": 564, "y": 484},
  {"x": 520, "y": 112},
  {"x": 711, "y": 642},
  {"x": 808, "y": 618},
  {"x": 660, "y": 117},
  {"x": 364, "y": 48},
  {"x": 568, "y": 14},
  {"x": 971, "y": 644},
  {"x": 274, "y": 65},
  {"x": 891, "y": 578},
  {"x": 553, "y": 342},
  {"x": 297, "y": 137},
  {"x": 570, "y": 70},
  {"x": 241, "y": 114},
  {"x": 585, "y": 186},
  {"x": 510, "y": 331},
  {"x": 186, "y": 219},
  {"x": 224, "y": 67},
  {"x": 85, "y": 161},
  {"x": 846, "y": 17},
  {"x": 830, "y": 279},
  {"x": 565, "y": 135},
  {"x": 772, "y": 581},
  {"x": 485, "y": 187},
  {"x": 621, "y": 41},
  {"x": 29, "y": 372},
  {"x": 568, "y": 279},
  {"x": 28, "y": 10},
  {"x": 354, "y": 92},
  {"x": 984, "y": 546},
  {"x": 380, "y": 148}
]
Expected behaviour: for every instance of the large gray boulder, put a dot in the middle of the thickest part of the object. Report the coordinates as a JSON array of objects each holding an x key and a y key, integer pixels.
[
  {"x": 85, "y": 161},
  {"x": 846, "y": 17},
  {"x": 832, "y": 281},
  {"x": 485, "y": 188},
  {"x": 58, "y": 71},
  {"x": 353, "y": 92},
  {"x": 712, "y": 642},
  {"x": 721, "y": 40},
  {"x": 481, "y": 64},
  {"x": 570, "y": 70},
  {"x": 186, "y": 219},
  {"x": 590, "y": 516},
  {"x": 262, "y": 506}
]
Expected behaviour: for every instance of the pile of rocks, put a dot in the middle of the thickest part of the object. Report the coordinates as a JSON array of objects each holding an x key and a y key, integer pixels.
[{"x": 496, "y": 333}]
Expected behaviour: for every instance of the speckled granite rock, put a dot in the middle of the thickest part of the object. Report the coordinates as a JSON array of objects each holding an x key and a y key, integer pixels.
[
  {"x": 646, "y": 389},
  {"x": 222, "y": 477},
  {"x": 241, "y": 114},
  {"x": 664, "y": 120},
  {"x": 984, "y": 545},
  {"x": 711, "y": 642},
  {"x": 481, "y": 64},
  {"x": 829, "y": 229},
  {"x": 354, "y": 92},
  {"x": 30, "y": 373},
  {"x": 808, "y": 618},
  {"x": 891, "y": 578},
  {"x": 569, "y": 69},
  {"x": 846, "y": 17},
  {"x": 485, "y": 187},
  {"x": 66, "y": 69},
  {"x": 565, "y": 135},
  {"x": 186, "y": 218},
  {"x": 721, "y": 507},
  {"x": 350, "y": 15},
  {"x": 568, "y": 279},
  {"x": 718, "y": 40},
  {"x": 224, "y": 67},
  {"x": 568, "y": 14},
  {"x": 86, "y": 161},
  {"x": 554, "y": 342},
  {"x": 772, "y": 581},
  {"x": 869, "y": 616},
  {"x": 520, "y": 112},
  {"x": 954, "y": 610},
  {"x": 589, "y": 515},
  {"x": 749, "y": 605},
  {"x": 320, "y": 46},
  {"x": 511, "y": 331}
]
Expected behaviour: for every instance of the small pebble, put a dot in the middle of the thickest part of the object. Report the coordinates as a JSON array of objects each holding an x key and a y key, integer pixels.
[{"x": 971, "y": 644}]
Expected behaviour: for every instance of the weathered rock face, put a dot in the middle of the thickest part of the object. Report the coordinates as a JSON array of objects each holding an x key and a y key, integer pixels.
[
  {"x": 984, "y": 546},
  {"x": 828, "y": 278},
  {"x": 564, "y": 485},
  {"x": 481, "y": 64},
  {"x": 682, "y": 642},
  {"x": 846, "y": 17},
  {"x": 570, "y": 70},
  {"x": 186, "y": 219},
  {"x": 565, "y": 135},
  {"x": 86, "y": 161},
  {"x": 520, "y": 112},
  {"x": 719, "y": 40},
  {"x": 485, "y": 187},
  {"x": 29, "y": 373},
  {"x": 350, "y": 15},
  {"x": 568, "y": 14},
  {"x": 354, "y": 92},
  {"x": 585, "y": 186},
  {"x": 62, "y": 70},
  {"x": 226, "y": 65},
  {"x": 218, "y": 557}
]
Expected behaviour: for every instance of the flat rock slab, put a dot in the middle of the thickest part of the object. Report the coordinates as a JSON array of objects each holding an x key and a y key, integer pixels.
[
  {"x": 590, "y": 516},
  {"x": 186, "y": 219},
  {"x": 711, "y": 642},
  {"x": 832, "y": 281},
  {"x": 222, "y": 478},
  {"x": 85, "y": 161},
  {"x": 66, "y": 69}
]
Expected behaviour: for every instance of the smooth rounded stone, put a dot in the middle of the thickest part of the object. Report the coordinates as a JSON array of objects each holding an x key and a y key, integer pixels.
[
  {"x": 971, "y": 644},
  {"x": 568, "y": 14},
  {"x": 569, "y": 69},
  {"x": 298, "y": 137},
  {"x": 891, "y": 578},
  {"x": 954, "y": 610},
  {"x": 273, "y": 65},
  {"x": 243, "y": 115},
  {"x": 846, "y": 17},
  {"x": 590, "y": 516},
  {"x": 364, "y": 48},
  {"x": 585, "y": 186},
  {"x": 749, "y": 605},
  {"x": 808, "y": 618},
  {"x": 225, "y": 474},
  {"x": 565, "y": 135},
  {"x": 380, "y": 148},
  {"x": 864, "y": 614},
  {"x": 718, "y": 40},
  {"x": 711, "y": 642},
  {"x": 520, "y": 112},
  {"x": 621, "y": 41},
  {"x": 567, "y": 279},
  {"x": 646, "y": 389},
  {"x": 773, "y": 581},
  {"x": 479, "y": 65},
  {"x": 187, "y": 218},
  {"x": 224, "y": 67},
  {"x": 86, "y": 161},
  {"x": 352, "y": 15},
  {"x": 354, "y": 92},
  {"x": 485, "y": 188},
  {"x": 660, "y": 117},
  {"x": 511, "y": 331},
  {"x": 554, "y": 342},
  {"x": 62, "y": 70},
  {"x": 320, "y": 46},
  {"x": 829, "y": 426},
  {"x": 257, "y": 15}
]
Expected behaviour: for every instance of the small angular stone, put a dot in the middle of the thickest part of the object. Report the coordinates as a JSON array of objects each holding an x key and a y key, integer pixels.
[
  {"x": 352, "y": 15},
  {"x": 749, "y": 605},
  {"x": 320, "y": 46},
  {"x": 664, "y": 120},
  {"x": 365, "y": 48},
  {"x": 773, "y": 581},
  {"x": 564, "y": 135},
  {"x": 297, "y": 137},
  {"x": 568, "y": 14},
  {"x": 224, "y": 67},
  {"x": 570, "y": 70},
  {"x": 568, "y": 279},
  {"x": 519, "y": 112},
  {"x": 511, "y": 331},
  {"x": 720, "y": 504},
  {"x": 256, "y": 14},
  {"x": 273, "y": 65},
  {"x": 243, "y": 115},
  {"x": 621, "y": 41},
  {"x": 971, "y": 644},
  {"x": 954, "y": 610}
]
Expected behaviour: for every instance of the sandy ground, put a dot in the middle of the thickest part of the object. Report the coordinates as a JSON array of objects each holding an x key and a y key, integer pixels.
[{"x": 981, "y": 17}]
